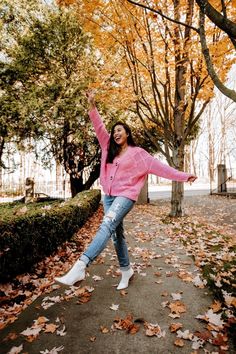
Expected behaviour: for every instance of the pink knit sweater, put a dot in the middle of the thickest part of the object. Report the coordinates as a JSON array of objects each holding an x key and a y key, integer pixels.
[{"x": 126, "y": 175}]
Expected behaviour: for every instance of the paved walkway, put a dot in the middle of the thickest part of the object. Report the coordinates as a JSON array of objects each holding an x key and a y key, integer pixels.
[{"x": 96, "y": 318}]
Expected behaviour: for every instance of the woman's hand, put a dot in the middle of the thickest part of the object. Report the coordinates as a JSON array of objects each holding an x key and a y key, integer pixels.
[
  {"x": 91, "y": 99},
  {"x": 191, "y": 179}
]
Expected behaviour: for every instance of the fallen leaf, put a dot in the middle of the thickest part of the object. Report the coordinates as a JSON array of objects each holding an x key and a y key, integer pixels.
[
  {"x": 83, "y": 300},
  {"x": 177, "y": 307},
  {"x": 220, "y": 339},
  {"x": 175, "y": 326},
  {"x": 62, "y": 332},
  {"x": 40, "y": 320},
  {"x": 104, "y": 329},
  {"x": 176, "y": 296},
  {"x": 50, "y": 328},
  {"x": 179, "y": 342},
  {"x": 153, "y": 330},
  {"x": 205, "y": 335},
  {"x": 197, "y": 343},
  {"x": 185, "y": 334},
  {"x": 216, "y": 306},
  {"x": 31, "y": 331},
  {"x": 54, "y": 350},
  {"x": 97, "y": 278},
  {"x": 185, "y": 276},
  {"x": 133, "y": 329},
  {"x": 158, "y": 274},
  {"x": 198, "y": 282},
  {"x": 165, "y": 293},
  {"x": 126, "y": 324},
  {"x": 16, "y": 350},
  {"x": 114, "y": 307},
  {"x": 214, "y": 318},
  {"x": 174, "y": 315},
  {"x": 10, "y": 336},
  {"x": 123, "y": 292},
  {"x": 92, "y": 339}
]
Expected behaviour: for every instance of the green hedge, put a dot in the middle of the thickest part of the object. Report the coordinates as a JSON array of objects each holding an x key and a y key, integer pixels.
[{"x": 27, "y": 238}]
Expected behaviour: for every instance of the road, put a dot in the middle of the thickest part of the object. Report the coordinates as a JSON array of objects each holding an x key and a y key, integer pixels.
[{"x": 164, "y": 192}]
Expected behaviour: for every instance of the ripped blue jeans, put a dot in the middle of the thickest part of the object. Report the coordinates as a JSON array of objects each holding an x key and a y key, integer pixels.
[{"x": 115, "y": 209}]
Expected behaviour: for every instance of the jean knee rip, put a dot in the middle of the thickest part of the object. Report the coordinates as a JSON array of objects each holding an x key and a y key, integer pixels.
[{"x": 110, "y": 216}]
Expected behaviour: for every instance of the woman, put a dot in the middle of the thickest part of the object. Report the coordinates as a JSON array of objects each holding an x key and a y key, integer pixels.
[{"x": 124, "y": 168}]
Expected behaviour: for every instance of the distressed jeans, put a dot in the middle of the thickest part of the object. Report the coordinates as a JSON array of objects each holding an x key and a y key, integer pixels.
[{"x": 115, "y": 209}]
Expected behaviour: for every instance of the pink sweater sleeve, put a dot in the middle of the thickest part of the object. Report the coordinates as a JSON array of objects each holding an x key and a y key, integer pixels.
[
  {"x": 162, "y": 170},
  {"x": 101, "y": 132}
]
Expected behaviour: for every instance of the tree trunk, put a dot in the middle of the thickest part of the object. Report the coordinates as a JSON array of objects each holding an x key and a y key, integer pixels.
[
  {"x": 177, "y": 196},
  {"x": 1, "y": 176},
  {"x": 143, "y": 196},
  {"x": 177, "y": 193},
  {"x": 58, "y": 175},
  {"x": 2, "y": 143},
  {"x": 29, "y": 190},
  {"x": 211, "y": 148},
  {"x": 76, "y": 185}
]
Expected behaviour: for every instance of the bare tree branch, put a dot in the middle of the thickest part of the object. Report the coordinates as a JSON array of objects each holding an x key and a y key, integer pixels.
[{"x": 159, "y": 12}]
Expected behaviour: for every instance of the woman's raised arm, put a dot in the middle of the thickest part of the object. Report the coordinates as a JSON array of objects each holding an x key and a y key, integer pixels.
[{"x": 99, "y": 127}]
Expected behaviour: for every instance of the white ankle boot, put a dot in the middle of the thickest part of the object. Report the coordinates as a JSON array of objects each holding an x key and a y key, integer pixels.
[
  {"x": 76, "y": 273},
  {"x": 125, "y": 277}
]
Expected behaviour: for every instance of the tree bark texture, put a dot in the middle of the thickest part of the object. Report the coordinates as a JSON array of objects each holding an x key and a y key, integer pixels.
[
  {"x": 206, "y": 53},
  {"x": 177, "y": 193}
]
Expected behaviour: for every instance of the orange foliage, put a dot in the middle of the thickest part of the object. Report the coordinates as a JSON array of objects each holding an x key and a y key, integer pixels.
[{"x": 133, "y": 44}]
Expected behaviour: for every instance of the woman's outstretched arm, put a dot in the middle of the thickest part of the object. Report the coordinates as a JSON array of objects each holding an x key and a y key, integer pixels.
[
  {"x": 99, "y": 127},
  {"x": 162, "y": 170}
]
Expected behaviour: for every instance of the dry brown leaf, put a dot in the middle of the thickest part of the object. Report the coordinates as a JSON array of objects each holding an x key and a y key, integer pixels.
[
  {"x": 205, "y": 335},
  {"x": 92, "y": 339},
  {"x": 216, "y": 306},
  {"x": 175, "y": 326},
  {"x": 179, "y": 342},
  {"x": 83, "y": 300},
  {"x": 123, "y": 292},
  {"x": 104, "y": 329},
  {"x": 133, "y": 329},
  {"x": 177, "y": 307},
  {"x": 158, "y": 274},
  {"x": 30, "y": 339},
  {"x": 220, "y": 340},
  {"x": 185, "y": 276},
  {"x": 126, "y": 324},
  {"x": 165, "y": 293},
  {"x": 50, "y": 328},
  {"x": 174, "y": 315},
  {"x": 10, "y": 336},
  {"x": 150, "y": 332},
  {"x": 40, "y": 321}
]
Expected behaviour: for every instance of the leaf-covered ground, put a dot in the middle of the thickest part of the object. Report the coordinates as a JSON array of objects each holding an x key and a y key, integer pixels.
[{"x": 207, "y": 236}]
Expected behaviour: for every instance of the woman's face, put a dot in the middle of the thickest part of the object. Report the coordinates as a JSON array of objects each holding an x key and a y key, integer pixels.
[{"x": 120, "y": 136}]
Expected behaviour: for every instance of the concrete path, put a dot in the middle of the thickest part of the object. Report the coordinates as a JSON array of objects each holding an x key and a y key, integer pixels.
[{"x": 159, "y": 295}]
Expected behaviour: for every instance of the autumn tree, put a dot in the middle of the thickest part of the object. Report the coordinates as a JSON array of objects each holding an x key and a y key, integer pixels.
[
  {"x": 223, "y": 15},
  {"x": 52, "y": 63},
  {"x": 160, "y": 75}
]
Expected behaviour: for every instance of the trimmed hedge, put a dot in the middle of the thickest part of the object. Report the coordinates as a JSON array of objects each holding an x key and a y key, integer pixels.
[{"x": 28, "y": 238}]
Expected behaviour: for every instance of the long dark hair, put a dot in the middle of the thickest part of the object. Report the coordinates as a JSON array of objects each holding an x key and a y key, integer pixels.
[{"x": 114, "y": 149}]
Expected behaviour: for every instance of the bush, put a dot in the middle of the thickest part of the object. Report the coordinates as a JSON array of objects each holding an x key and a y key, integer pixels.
[{"x": 30, "y": 232}]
